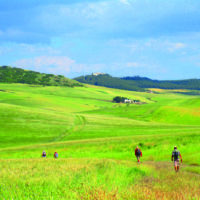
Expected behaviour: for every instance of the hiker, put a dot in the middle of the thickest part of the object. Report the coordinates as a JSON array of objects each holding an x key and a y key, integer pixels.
[
  {"x": 44, "y": 154},
  {"x": 175, "y": 157},
  {"x": 55, "y": 155},
  {"x": 138, "y": 153}
]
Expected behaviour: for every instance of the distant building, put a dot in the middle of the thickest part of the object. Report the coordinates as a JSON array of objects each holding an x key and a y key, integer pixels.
[
  {"x": 127, "y": 101},
  {"x": 97, "y": 73},
  {"x": 132, "y": 101}
]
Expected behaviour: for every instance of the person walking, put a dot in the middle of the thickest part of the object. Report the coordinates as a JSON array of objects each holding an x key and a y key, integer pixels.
[
  {"x": 44, "y": 154},
  {"x": 138, "y": 154},
  {"x": 175, "y": 157},
  {"x": 55, "y": 155}
]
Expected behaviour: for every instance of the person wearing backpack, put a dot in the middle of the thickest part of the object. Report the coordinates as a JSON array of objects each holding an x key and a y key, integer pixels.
[
  {"x": 44, "y": 154},
  {"x": 175, "y": 157},
  {"x": 138, "y": 153},
  {"x": 55, "y": 155}
]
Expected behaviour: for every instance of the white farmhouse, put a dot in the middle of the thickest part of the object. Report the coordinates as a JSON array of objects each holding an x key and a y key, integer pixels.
[{"x": 127, "y": 101}]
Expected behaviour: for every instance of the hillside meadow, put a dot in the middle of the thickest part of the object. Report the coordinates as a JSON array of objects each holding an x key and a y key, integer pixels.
[{"x": 95, "y": 139}]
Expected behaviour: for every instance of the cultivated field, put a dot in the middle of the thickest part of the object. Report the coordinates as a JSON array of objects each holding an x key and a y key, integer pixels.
[{"x": 95, "y": 140}]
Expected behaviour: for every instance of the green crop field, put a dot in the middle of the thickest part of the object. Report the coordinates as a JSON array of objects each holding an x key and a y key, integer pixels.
[{"x": 95, "y": 139}]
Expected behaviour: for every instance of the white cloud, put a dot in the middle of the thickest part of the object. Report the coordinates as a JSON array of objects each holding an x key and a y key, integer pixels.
[
  {"x": 58, "y": 65},
  {"x": 176, "y": 46},
  {"x": 126, "y": 2},
  {"x": 142, "y": 65},
  {"x": 37, "y": 49},
  {"x": 165, "y": 44},
  {"x": 61, "y": 19},
  {"x": 133, "y": 64},
  {"x": 160, "y": 44},
  {"x": 52, "y": 64}
]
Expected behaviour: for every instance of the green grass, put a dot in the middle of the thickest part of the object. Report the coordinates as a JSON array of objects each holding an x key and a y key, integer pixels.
[
  {"x": 95, "y": 139},
  {"x": 68, "y": 179}
]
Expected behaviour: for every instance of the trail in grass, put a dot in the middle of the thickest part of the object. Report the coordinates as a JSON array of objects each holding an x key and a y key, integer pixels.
[
  {"x": 83, "y": 178},
  {"x": 78, "y": 124},
  {"x": 95, "y": 139}
]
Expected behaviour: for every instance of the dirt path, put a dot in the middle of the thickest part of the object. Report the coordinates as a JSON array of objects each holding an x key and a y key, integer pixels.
[{"x": 166, "y": 184}]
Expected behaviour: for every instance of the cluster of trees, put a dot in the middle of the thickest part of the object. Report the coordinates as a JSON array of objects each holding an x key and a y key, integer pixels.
[
  {"x": 119, "y": 99},
  {"x": 137, "y": 83},
  {"x": 18, "y": 75}
]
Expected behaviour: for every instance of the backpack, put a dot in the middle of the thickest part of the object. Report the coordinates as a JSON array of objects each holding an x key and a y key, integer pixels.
[
  {"x": 138, "y": 152},
  {"x": 56, "y": 155},
  {"x": 176, "y": 154}
]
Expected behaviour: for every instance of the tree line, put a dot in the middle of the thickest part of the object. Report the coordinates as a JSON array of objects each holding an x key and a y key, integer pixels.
[
  {"x": 137, "y": 83},
  {"x": 17, "y": 75},
  {"x": 143, "y": 82},
  {"x": 108, "y": 81}
]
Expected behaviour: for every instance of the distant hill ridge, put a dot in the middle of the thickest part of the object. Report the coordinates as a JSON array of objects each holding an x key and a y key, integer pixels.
[
  {"x": 17, "y": 75},
  {"x": 144, "y": 82},
  {"x": 137, "y": 83},
  {"x": 108, "y": 81}
]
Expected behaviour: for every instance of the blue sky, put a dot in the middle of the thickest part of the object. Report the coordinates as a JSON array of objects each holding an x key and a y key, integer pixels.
[{"x": 154, "y": 38}]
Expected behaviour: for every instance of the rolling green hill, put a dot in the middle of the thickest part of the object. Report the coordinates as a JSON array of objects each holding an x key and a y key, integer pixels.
[
  {"x": 108, "y": 81},
  {"x": 17, "y": 75},
  {"x": 142, "y": 82},
  {"x": 95, "y": 139},
  {"x": 138, "y": 83}
]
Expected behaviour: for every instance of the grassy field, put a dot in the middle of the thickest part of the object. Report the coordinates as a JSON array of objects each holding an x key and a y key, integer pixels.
[{"x": 95, "y": 139}]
